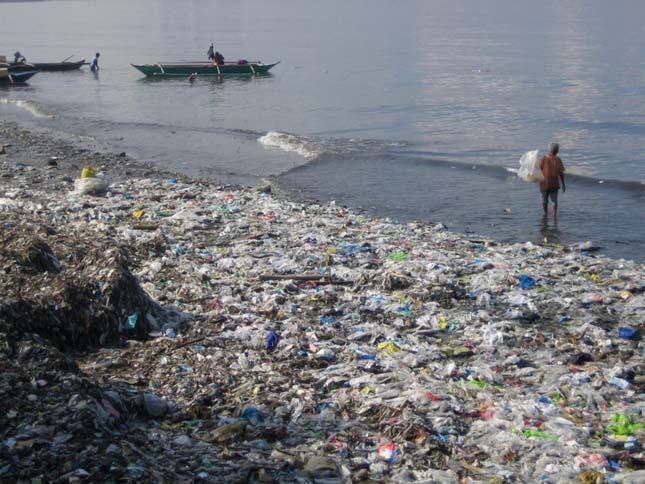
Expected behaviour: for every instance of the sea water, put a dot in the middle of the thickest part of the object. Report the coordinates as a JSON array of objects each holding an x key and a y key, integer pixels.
[{"x": 416, "y": 110}]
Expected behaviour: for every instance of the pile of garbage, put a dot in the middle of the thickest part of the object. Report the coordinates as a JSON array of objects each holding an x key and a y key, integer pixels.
[
  {"x": 94, "y": 304},
  {"x": 179, "y": 330}
]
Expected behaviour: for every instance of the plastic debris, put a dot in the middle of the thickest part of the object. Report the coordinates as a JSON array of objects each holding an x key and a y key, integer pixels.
[
  {"x": 388, "y": 453},
  {"x": 624, "y": 425},
  {"x": 88, "y": 172},
  {"x": 526, "y": 282},
  {"x": 530, "y": 167},
  {"x": 272, "y": 341},
  {"x": 627, "y": 333},
  {"x": 230, "y": 335},
  {"x": 539, "y": 435}
]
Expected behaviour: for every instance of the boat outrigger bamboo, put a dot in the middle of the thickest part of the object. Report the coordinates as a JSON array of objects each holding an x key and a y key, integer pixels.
[{"x": 185, "y": 69}]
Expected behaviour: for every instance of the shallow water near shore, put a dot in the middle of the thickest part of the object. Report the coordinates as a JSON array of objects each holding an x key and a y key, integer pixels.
[
  {"x": 483, "y": 200},
  {"x": 414, "y": 111}
]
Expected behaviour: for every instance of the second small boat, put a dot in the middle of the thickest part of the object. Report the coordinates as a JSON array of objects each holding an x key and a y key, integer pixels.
[
  {"x": 185, "y": 69},
  {"x": 60, "y": 66}
]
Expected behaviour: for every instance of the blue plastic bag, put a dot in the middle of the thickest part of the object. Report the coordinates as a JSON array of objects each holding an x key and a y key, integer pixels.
[
  {"x": 272, "y": 341},
  {"x": 526, "y": 282}
]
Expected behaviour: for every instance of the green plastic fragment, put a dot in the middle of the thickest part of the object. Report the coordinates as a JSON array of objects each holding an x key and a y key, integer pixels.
[
  {"x": 398, "y": 255},
  {"x": 483, "y": 385},
  {"x": 557, "y": 398},
  {"x": 478, "y": 383},
  {"x": 132, "y": 321},
  {"x": 540, "y": 435},
  {"x": 624, "y": 425}
]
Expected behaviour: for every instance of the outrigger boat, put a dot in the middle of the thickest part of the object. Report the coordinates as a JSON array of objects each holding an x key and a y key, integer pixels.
[
  {"x": 59, "y": 66},
  {"x": 65, "y": 65},
  {"x": 185, "y": 69}
]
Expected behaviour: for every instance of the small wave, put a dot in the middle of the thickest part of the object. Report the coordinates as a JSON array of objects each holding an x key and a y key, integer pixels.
[
  {"x": 290, "y": 143},
  {"x": 316, "y": 147},
  {"x": 32, "y": 108}
]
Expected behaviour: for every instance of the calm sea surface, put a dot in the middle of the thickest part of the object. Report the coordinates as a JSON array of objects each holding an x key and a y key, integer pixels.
[{"x": 412, "y": 109}]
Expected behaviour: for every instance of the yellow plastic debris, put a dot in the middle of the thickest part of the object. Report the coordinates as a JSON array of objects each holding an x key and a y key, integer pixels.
[
  {"x": 138, "y": 214},
  {"x": 388, "y": 346},
  {"x": 401, "y": 297},
  {"x": 88, "y": 172},
  {"x": 591, "y": 477}
]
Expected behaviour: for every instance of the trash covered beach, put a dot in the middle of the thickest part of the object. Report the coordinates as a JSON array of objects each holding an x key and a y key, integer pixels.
[{"x": 160, "y": 328}]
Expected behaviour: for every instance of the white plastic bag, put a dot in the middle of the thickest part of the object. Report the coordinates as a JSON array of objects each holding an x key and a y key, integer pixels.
[
  {"x": 91, "y": 186},
  {"x": 530, "y": 167}
]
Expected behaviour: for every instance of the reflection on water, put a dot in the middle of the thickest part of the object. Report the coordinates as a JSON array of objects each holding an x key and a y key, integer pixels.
[{"x": 549, "y": 231}]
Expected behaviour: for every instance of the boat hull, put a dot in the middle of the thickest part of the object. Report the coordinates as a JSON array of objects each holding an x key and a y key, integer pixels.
[
  {"x": 16, "y": 67},
  {"x": 8, "y": 77},
  {"x": 202, "y": 69}
]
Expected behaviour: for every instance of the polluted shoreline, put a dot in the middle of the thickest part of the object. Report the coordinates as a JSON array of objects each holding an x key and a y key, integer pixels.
[{"x": 161, "y": 328}]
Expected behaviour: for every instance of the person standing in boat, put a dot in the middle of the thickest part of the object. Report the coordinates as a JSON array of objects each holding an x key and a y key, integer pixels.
[
  {"x": 553, "y": 171},
  {"x": 211, "y": 53},
  {"x": 94, "y": 65},
  {"x": 218, "y": 59}
]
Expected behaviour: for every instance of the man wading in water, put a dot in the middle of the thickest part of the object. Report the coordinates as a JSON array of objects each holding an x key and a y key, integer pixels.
[{"x": 552, "y": 169}]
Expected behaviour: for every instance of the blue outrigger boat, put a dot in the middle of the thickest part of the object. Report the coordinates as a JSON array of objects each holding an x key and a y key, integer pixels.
[{"x": 9, "y": 76}]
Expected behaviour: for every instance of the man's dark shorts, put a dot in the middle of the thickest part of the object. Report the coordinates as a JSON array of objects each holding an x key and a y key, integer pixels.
[{"x": 552, "y": 194}]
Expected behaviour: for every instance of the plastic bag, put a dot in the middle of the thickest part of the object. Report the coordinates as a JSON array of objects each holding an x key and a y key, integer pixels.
[
  {"x": 92, "y": 186},
  {"x": 530, "y": 167}
]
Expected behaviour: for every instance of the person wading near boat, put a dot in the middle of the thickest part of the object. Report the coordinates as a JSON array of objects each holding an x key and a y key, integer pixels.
[
  {"x": 94, "y": 65},
  {"x": 553, "y": 171}
]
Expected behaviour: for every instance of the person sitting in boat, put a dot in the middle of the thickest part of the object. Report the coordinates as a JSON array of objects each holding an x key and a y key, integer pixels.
[
  {"x": 218, "y": 59},
  {"x": 18, "y": 58},
  {"x": 94, "y": 65}
]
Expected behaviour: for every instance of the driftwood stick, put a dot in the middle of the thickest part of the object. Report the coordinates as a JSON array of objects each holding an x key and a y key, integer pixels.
[
  {"x": 188, "y": 343},
  {"x": 323, "y": 280},
  {"x": 291, "y": 277},
  {"x": 181, "y": 345},
  {"x": 337, "y": 282}
]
